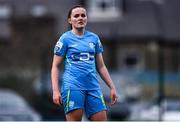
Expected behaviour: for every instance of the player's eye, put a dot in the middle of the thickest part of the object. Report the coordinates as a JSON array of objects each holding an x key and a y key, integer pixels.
[
  {"x": 83, "y": 15},
  {"x": 76, "y": 15}
]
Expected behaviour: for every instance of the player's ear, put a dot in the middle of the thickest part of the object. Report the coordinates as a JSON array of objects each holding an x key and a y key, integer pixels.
[{"x": 69, "y": 20}]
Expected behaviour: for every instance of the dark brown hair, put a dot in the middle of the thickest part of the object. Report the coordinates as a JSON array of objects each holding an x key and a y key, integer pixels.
[{"x": 76, "y": 6}]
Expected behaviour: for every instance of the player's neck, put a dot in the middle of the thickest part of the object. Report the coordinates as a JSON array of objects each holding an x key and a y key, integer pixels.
[{"x": 78, "y": 32}]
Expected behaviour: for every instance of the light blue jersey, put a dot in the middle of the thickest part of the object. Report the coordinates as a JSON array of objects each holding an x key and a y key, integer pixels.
[{"x": 79, "y": 53}]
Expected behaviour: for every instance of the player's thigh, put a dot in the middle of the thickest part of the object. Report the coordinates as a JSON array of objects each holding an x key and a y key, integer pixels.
[
  {"x": 99, "y": 116},
  {"x": 74, "y": 115}
]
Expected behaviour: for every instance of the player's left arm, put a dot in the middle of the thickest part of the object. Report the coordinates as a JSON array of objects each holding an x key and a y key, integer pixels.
[{"x": 103, "y": 72}]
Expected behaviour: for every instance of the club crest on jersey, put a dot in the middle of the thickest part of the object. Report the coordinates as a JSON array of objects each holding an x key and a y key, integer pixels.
[{"x": 91, "y": 45}]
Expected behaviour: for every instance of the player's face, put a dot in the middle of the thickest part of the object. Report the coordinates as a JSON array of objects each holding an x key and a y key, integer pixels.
[{"x": 78, "y": 18}]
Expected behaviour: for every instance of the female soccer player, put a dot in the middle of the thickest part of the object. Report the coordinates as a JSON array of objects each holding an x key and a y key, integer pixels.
[{"x": 82, "y": 52}]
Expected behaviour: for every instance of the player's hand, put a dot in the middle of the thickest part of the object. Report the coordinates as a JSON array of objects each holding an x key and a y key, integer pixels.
[
  {"x": 114, "y": 96},
  {"x": 57, "y": 99}
]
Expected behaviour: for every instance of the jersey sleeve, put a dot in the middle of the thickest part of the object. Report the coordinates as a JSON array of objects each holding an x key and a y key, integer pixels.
[
  {"x": 60, "y": 47},
  {"x": 99, "y": 47}
]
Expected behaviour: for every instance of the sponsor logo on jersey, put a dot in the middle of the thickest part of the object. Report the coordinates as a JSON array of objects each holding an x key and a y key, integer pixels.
[
  {"x": 58, "y": 46},
  {"x": 82, "y": 56},
  {"x": 99, "y": 43}
]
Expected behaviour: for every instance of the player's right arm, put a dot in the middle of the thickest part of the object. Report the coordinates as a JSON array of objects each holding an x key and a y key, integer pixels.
[{"x": 57, "y": 60}]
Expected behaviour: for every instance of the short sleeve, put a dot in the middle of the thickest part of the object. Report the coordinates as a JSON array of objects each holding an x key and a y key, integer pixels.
[
  {"x": 99, "y": 47},
  {"x": 60, "y": 47}
]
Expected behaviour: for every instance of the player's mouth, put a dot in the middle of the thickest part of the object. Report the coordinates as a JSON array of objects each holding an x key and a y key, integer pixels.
[{"x": 81, "y": 23}]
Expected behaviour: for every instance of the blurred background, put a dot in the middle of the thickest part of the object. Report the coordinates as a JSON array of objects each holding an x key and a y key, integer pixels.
[{"x": 141, "y": 40}]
